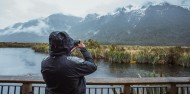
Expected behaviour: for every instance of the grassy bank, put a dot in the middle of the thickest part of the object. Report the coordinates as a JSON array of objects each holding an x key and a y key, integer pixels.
[
  {"x": 125, "y": 54},
  {"x": 15, "y": 45},
  {"x": 149, "y": 54},
  {"x": 37, "y": 47}
]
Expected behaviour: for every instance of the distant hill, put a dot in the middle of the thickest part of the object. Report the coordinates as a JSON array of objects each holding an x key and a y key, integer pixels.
[
  {"x": 161, "y": 24},
  {"x": 38, "y": 30}
]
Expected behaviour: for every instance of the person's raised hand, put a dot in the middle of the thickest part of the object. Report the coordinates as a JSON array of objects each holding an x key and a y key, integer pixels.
[{"x": 81, "y": 45}]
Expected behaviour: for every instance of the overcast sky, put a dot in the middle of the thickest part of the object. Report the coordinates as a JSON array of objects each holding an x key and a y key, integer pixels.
[{"x": 13, "y": 11}]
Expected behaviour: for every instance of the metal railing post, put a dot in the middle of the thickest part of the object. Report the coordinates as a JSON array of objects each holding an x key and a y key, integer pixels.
[
  {"x": 27, "y": 88},
  {"x": 173, "y": 88},
  {"x": 126, "y": 89}
]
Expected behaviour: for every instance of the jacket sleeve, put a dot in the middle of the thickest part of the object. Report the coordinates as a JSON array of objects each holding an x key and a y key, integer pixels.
[
  {"x": 87, "y": 56},
  {"x": 86, "y": 66}
]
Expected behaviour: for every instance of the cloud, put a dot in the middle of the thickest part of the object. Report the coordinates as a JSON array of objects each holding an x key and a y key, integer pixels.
[
  {"x": 13, "y": 11},
  {"x": 41, "y": 26}
]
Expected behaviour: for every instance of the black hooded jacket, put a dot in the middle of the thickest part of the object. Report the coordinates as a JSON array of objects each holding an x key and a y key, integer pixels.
[{"x": 62, "y": 73}]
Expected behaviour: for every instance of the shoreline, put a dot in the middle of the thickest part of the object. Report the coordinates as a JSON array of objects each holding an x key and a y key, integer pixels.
[{"x": 172, "y": 55}]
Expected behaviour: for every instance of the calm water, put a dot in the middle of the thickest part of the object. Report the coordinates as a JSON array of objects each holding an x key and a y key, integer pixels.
[{"x": 24, "y": 61}]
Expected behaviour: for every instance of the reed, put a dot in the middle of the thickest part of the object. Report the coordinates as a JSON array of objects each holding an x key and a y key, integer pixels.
[
  {"x": 15, "y": 45},
  {"x": 117, "y": 56},
  {"x": 184, "y": 60},
  {"x": 42, "y": 48}
]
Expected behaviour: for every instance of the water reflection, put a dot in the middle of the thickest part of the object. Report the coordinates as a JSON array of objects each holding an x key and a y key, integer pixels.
[{"x": 19, "y": 61}]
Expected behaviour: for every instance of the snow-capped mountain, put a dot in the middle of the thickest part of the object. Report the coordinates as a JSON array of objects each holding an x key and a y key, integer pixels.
[
  {"x": 150, "y": 24},
  {"x": 37, "y": 30},
  {"x": 33, "y": 26}
]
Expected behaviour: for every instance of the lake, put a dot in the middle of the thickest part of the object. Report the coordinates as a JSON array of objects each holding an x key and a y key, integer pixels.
[{"x": 24, "y": 61}]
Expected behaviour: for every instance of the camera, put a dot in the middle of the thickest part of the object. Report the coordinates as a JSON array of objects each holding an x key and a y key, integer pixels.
[{"x": 76, "y": 42}]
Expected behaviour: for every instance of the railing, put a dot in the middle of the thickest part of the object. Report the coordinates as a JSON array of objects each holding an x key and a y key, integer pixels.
[{"x": 155, "y": 85}]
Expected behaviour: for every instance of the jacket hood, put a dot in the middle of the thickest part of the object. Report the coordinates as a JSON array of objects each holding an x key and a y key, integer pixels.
[{"x": 60, "y": 43}]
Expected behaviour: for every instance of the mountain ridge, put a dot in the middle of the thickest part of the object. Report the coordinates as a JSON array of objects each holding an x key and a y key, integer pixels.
[{"x": 162, "y": 24}]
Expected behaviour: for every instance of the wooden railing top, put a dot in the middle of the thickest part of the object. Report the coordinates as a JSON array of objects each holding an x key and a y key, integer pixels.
[{"x": 103, "y": 81}]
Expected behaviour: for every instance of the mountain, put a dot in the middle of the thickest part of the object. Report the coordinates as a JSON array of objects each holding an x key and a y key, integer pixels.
[
  {"x": 162, "y": 24},
  {"x": 38, "y": 30},
  {"x": 151, "y": 24}
]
